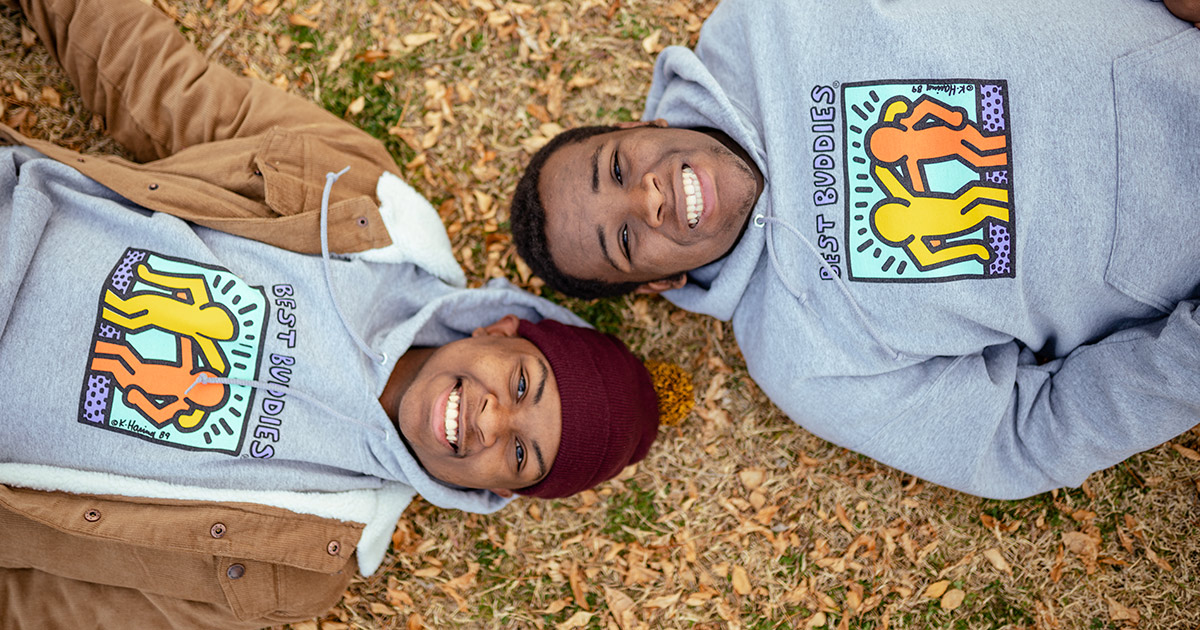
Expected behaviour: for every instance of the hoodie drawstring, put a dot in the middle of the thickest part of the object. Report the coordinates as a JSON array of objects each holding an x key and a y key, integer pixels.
[
  {"x": 769, "y": 223},
  {"x": 278, "y": 390},
  {"x": 378, "y": 357}
]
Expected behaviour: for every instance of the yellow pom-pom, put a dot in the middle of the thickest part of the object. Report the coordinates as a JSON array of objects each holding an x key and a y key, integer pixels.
[{"x": 676, "y": 396}]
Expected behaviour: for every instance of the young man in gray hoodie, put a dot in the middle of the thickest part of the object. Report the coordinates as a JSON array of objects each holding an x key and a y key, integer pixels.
[
  {"x": 959, "y": 239},
  {"x": 203, "y": 429}
]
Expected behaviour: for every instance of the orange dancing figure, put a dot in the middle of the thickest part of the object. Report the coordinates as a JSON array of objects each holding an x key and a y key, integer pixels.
[
  {"x": 143, "y": 381},
  {"x": 931, "y": 132}
]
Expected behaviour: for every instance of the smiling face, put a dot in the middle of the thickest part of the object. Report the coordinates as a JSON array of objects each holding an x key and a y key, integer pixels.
[
  {"x": 644, "y": 204},
  {"x": 483, "y": 412}
]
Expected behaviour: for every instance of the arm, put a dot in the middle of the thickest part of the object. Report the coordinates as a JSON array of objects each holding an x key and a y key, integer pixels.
[
  {"x": 156, "y": 92},
  {"x": 953, "y": 118},
  {"x": 998, "y": 425},
  {"x": 1185, "y": 9}
]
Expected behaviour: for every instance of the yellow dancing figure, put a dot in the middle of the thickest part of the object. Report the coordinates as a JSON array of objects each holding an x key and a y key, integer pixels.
[
  {"x": 922, "y": 224},
  {"x": 187, "y": 311}
]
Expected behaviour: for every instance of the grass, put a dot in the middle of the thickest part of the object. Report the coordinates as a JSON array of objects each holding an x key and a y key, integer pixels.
[{"x": 669, "y": 534}]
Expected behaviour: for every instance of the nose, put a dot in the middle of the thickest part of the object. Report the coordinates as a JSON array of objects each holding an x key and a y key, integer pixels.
[
  {"x": 493, "y": 422},
  {"x": 650, "y": 200}
]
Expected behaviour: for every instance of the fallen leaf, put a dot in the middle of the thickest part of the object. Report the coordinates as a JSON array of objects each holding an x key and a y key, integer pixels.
[
  {"x": 937, "y": 589},
  {"x": 666, "y": 601},
  {"x": 578, "y": 620},
  {"x": 356, "y": 106},
  {"x": 1083, "y": 546},
  {"x": 578, "y": 586},
  {"x": 339, "y": 54},
  {"x": 752, "y": 478},
  {"x": 1162, "y": 564},
  {"x": 650, "y": 44},
  {"x": 844, "y": 520},
  {"x": 556, "y": 606},
  {"x": 741, "y": 581},
  {"x": 621, "y": 607},
  {"x": 994, "y": 556},
  {"x": 1057, "y": 569},
  {"x": 296, "y": 19},
  {"x": 952, "y": 599},
  {"x": 265, "y": 8},
  {"x": 398, "y": 598},
  {"x": 51, "y": 97},
  {"x": 415, "y": 622},
  {"x": 815, "y": 621},
  {"x": 234, "y": 6},
  {"x": 1126, "y": 541},
  {"x": 1118, "y": 612},
  {"x": 1083, "y": 516},
  {"x": 1186, "y": 452},
  {"x": 579, "y": 81},
  {"x": 413, "y": 40},
  {"x": 28, "y": 37}
]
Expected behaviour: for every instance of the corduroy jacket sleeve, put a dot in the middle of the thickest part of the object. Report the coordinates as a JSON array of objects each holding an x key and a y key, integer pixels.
[
  {"x": 84, "y": 561},
  {"x": 220, "y": 150}
]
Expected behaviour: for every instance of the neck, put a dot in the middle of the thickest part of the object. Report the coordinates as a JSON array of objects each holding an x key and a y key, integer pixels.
[
  {"x": 743, "y": 154},
  {"x": 401, "y": 378}
]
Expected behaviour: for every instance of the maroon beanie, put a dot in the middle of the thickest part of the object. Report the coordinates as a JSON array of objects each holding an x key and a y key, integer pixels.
[{"x": 609, "y": 408}]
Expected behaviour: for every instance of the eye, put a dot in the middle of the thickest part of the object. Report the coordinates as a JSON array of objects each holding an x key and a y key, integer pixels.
[
  {"x": 520, "y": 455},
  {"x": 625, "y": 242},
  {"x": 522, "y": 387},
  {"x": 617, "y": 168}
]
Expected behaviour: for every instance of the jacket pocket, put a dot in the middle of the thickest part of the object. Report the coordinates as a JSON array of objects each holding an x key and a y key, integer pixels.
[
  {"x": 281, "y": 161},
  {"x": 1155, "y": 257}
]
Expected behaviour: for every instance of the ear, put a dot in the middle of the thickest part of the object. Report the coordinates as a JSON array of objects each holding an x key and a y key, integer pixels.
[
  {"x": 504, "y": 327},
  {"x": 657, "y": 122},
  {"x": 504, "y": 492},
  {"x": 658, "y": 286}
]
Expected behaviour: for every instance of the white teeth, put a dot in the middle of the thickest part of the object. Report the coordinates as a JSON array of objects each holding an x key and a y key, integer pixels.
[
  {"x": 452, "y": 417},
  {"x": 693, "y": 196}
]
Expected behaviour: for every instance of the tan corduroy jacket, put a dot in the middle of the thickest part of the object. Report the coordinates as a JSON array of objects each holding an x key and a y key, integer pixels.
[{"x": 239, "y": 156}]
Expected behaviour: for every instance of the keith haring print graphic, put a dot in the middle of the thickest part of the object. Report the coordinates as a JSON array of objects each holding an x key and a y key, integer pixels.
[
  {"x": 928, "y": 180},
  {"x": 161, "y": 324}
]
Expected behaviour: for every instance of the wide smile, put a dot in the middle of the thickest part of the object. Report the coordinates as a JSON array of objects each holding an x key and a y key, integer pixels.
[
  {"x": 693, "y": 197},
  {"x": 448, "y": 424}
]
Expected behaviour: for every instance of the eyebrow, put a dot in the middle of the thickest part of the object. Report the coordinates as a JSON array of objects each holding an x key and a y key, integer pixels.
[
  {"x": 537, "y": 398},
  {"x": 604, "y": 247},
  {"x": 596, "y": 169},
  {"x": 537, "y": 450}
]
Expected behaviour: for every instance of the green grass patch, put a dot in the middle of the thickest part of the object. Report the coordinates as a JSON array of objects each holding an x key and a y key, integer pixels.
[{"x": 634, "y": 509}]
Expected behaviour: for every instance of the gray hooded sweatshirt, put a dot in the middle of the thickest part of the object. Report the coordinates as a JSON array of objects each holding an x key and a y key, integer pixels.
[
  {"x": 110, "y": 313},
  {"x": 977, "y": 251}
]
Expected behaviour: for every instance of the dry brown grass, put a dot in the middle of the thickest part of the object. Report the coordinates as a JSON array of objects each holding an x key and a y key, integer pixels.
[{"x": 738, "y": 518}]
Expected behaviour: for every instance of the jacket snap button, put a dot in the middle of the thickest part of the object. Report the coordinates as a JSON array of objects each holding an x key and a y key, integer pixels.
[
  {"x": 91, "y": 515},
  {"x": 217, "y": 530},
  {"x": 362, "y": 221},
  {"x": 235, "y": 571},
  {"x": 153, "y": 186},
  {"x": 333, "y": 547}
]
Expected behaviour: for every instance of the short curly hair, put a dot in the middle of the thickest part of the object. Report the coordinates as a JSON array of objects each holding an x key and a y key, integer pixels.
[{"x": 528, "y": 220}]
